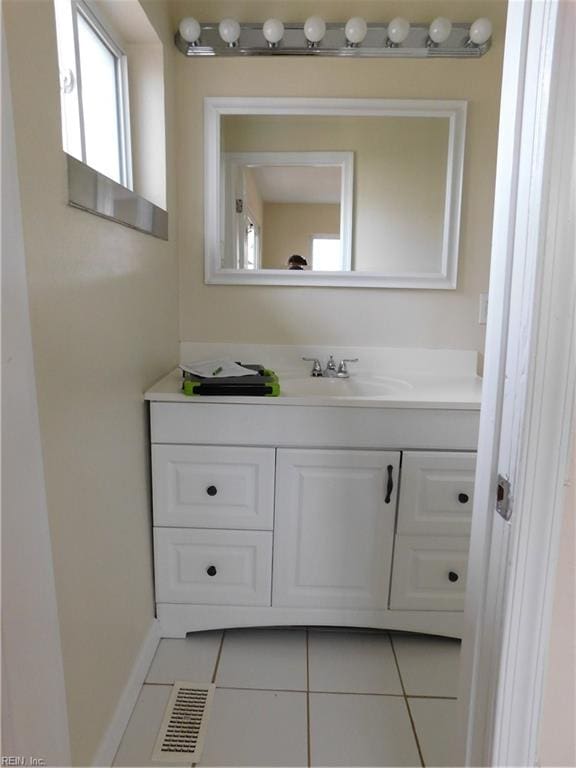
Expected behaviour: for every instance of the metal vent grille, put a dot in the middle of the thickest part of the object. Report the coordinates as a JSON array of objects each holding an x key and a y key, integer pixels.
[{"x": 183, "y": 729}]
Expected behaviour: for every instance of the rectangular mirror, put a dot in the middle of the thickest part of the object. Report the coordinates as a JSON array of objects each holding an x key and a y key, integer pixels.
[{"x": 327, "y": 192}]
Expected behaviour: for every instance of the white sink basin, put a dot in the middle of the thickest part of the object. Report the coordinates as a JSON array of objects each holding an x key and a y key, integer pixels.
[
  {"x": 377, "y": 386},
  {"x": 355, "y": 386}
]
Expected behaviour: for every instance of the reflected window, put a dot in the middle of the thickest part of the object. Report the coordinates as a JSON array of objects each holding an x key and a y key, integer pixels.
[
  {"x": 251, "y": 245},
  {"x": 326, "y": 253}
]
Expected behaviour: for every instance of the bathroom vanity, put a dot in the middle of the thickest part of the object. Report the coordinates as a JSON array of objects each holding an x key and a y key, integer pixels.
[{"x": 338, "y": 503}]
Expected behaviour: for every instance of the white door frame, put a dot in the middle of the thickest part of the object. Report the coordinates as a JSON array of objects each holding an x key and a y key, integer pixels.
[{"x": 528, "y": 396}]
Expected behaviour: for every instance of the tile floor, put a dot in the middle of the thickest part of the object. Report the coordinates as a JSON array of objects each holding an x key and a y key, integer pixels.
[{"x": 298, "y": 697}]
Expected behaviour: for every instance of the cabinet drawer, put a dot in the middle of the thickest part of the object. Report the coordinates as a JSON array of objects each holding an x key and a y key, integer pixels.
[
  {"x": 213, "y": 567},
  {"x": 437, "y": 493},
  {"x": 212, "y": 487},
  {"x": 429, "y": 573}
]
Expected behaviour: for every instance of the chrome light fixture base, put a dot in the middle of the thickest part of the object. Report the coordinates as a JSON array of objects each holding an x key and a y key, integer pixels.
[{"x": 375, "y": 45}]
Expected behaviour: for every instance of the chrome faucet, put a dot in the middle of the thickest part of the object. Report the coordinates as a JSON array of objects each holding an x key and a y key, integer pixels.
[{"x": 331, "y": 371}]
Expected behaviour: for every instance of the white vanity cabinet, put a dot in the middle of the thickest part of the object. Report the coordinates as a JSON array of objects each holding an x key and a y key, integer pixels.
[{"x": 352, "y": 526}]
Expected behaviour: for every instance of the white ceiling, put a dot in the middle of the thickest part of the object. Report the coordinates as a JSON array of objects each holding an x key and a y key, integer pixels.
[{"x": 298, "y": 183}]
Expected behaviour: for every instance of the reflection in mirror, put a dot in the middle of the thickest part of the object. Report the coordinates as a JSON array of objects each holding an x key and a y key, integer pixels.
[
  {"x": 366, "y": 191},
  {"x": 287, "y": 210}
]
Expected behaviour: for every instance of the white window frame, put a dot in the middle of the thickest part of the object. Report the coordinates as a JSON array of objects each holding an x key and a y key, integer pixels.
[{"x": 67, "y": 12}]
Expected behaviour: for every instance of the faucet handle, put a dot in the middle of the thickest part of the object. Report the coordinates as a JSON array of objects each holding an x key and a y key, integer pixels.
[
  {"x": 343, "y": 368},
  {"x": 316, "y": 367}
]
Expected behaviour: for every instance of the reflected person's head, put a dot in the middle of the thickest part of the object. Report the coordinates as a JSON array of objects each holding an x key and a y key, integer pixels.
[{"x": 297, "y": 262}]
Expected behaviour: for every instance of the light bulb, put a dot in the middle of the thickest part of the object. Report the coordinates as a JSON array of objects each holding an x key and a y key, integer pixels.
[
  {"x": 440, "y": 30},
  {"x": 189, "y": 30},
  {"x": 481, "y": 31},
  {"x": 273, "y": 31},
  {"x": 398, "y": 30},
  {"x": 229, "y": 31},
  {"x": 355, "y": 30},
  {"x": 314, "y": 29}
]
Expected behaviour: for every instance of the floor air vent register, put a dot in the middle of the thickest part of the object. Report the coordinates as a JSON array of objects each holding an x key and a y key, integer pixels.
[{"x": 183, "y": 729}]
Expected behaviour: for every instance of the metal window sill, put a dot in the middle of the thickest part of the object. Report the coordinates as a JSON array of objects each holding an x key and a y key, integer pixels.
[{"x": 95, "y": 193}]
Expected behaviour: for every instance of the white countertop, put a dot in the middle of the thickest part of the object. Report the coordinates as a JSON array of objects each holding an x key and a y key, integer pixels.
[{"x": 419, "y": 390}]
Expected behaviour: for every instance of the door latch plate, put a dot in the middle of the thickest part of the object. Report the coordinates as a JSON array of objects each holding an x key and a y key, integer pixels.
[{"x": 504, "y": 498}]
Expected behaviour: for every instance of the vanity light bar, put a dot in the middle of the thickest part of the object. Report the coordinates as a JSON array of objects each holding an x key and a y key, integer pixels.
[{"x": 229, "y": 38}]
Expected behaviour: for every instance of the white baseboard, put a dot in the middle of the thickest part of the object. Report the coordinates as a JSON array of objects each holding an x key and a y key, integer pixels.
[{"x": 111, "y": 740}]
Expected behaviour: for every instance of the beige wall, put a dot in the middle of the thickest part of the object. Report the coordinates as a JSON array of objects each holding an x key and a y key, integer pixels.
[
  {"x": 146, "y": 89},
  {"x": 104, "y": 325},
  {"x": 399, "y": 179},
  {"x": 261, "y": 314},
  {"x": 289, "y": 229}
]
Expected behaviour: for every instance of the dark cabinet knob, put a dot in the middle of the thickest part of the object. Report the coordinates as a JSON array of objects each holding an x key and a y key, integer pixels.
[
  {"x": 211, "y": 490},
  {"x": 463, "y": 498},
  {"x": 453, "y": 576},
  {"x": 211, "y": 570}
]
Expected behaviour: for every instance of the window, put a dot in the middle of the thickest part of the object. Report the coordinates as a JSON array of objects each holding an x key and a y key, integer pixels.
[
  {"x": 252, "y": 245},
  {"x": 104, "y": 46},
  {"x": 94, "y": 89},
  {"x": 326, "y": 253}
]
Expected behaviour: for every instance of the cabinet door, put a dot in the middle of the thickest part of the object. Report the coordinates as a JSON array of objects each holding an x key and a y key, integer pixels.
[
  {"x": 334, "y": 528},
  {"x": 437, "y": 493}
]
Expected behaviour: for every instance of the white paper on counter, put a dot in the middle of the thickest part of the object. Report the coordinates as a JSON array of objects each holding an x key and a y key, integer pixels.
[{"x": 216, "y": 369}]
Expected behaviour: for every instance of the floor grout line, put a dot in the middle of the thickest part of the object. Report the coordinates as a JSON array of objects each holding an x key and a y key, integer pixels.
[
  {"x": 314, "y": 691},
  {"x": 217, "y": 664},
  {"x": 430, "y": 696},
  {"x": 264, "y": 690},
  {"x": 308, "y": 747},
  {"x": 407, "y": 703},
  {"x": 359, "y": 693}
]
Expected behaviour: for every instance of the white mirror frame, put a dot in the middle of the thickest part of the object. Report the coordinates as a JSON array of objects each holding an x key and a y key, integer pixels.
[{"x": 217, "y": 107}]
